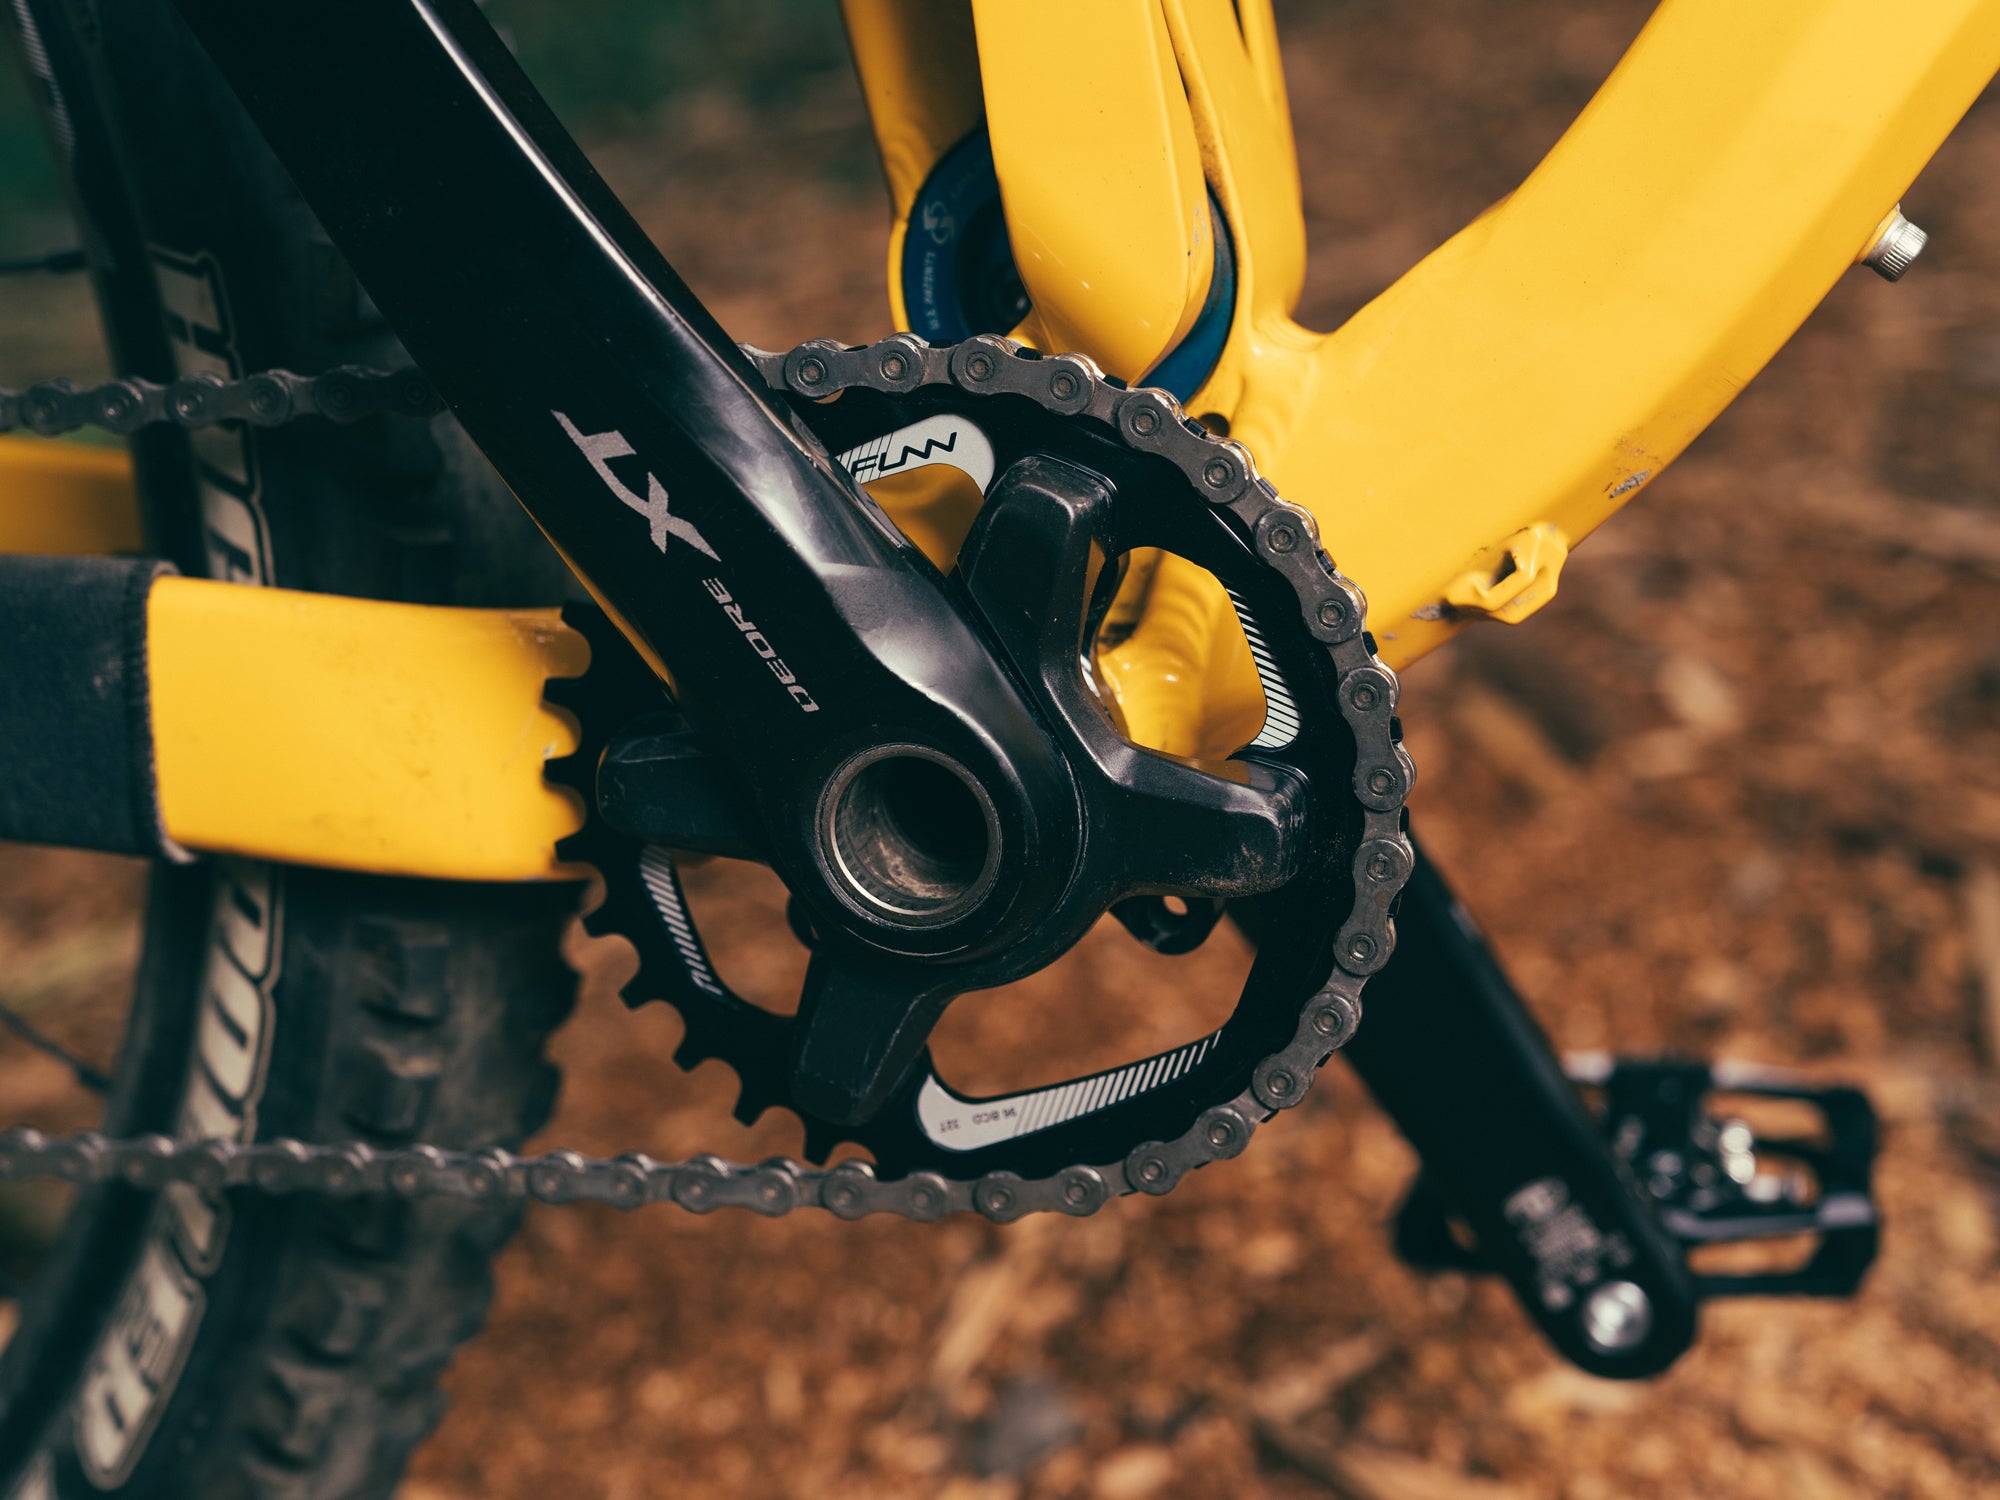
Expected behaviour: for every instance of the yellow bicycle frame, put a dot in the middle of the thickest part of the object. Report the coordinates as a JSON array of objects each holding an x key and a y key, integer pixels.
[
  {"x": 1493, "y": 407},
  {"x": 1454, "y": 439}
]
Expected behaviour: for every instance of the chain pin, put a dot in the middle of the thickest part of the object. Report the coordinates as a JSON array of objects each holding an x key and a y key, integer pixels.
[
  {"x": 1277, "y": 1085},
  {"x": 1148, "y": 1169}
]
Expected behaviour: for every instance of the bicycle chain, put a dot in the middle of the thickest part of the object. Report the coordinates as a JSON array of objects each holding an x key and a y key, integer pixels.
[
  {"x": 1286, "y": 539},
  {"x": 346, "y": 393}
]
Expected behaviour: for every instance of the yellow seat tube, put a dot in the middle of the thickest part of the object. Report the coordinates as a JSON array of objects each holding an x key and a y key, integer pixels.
[
  {"x": 919, "y": 69},
  {"x": 1100, "y": 176}
]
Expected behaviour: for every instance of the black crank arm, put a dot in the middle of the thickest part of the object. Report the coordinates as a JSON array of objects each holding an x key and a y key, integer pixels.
[
  {"x": 582, "y": 365},
  {"x": 1451, "y": 1052},
  {"x": 794, "y": 620}
]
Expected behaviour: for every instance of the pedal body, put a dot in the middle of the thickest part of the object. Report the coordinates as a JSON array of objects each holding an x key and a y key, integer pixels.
[
  {"x": 1714, "y": 1180},
  {"x": 1590, "y": 1190}
]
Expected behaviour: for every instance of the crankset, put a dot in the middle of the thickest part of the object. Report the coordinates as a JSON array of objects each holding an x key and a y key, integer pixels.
[{"x": 913, "y": 889}]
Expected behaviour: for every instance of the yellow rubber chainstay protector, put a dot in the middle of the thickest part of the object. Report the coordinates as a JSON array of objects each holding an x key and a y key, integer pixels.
[{"x": 319, "y": 730}]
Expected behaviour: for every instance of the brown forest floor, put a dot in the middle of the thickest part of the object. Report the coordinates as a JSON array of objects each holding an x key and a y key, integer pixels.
[{"x": 1736, "y": 792}]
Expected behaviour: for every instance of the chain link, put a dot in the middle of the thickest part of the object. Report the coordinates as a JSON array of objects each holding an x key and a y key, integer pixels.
[{"x": 1286, "y": 539}]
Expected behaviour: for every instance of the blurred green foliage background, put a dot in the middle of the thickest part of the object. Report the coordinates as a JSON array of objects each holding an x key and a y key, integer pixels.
[
  {"x": 605, "y": 65},
  {"x": 30, "y": 195}
]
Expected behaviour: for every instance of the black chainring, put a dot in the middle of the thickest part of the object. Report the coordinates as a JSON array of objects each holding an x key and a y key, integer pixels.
[{"x": 1092, "y": 1119}]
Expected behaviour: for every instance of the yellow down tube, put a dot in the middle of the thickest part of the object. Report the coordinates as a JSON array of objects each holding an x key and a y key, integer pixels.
[
  {"x": 399, "y": 738},
  {"x": 1115, "y": 248}
]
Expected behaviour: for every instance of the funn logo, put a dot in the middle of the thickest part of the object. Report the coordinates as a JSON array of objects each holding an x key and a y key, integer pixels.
[
  {"x": 875, "y": 465},
  {"x": 952, "y": 441}
]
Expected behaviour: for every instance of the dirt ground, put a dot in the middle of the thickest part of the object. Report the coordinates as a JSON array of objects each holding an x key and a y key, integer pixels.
[{"x": 1736, "y": 792}]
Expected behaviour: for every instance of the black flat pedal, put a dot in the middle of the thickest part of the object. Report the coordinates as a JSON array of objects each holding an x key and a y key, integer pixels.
[{"x": 1762, "y": 1177}]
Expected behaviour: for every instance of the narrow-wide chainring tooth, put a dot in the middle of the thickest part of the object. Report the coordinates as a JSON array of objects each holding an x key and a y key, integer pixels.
[
  {"x": 699, "y": 1039},
  {"x": 621, "y": 917},
  {"x": 750, "y": 1107}
]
